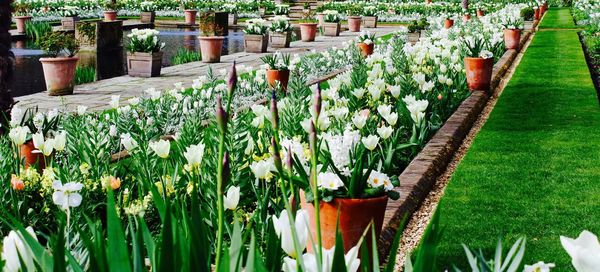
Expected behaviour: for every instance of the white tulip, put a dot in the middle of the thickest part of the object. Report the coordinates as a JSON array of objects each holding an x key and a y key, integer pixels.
[
  {"x": 161, "y": 148},
  {"x": 18, "y": 135},
  {"x": 359, "y": 120},
  {"x": 395, "y": 91},
  {"x": 284, "y": 231},
  {"x": 128, "y": 142},
  {"x": 194, "y": 154},
  {"x": 231, "y": 200},
  {"x": 66, "y": 195},
  {"x": 14, "y": 251},
  {"x": 392, "y": 119},
  {"x": 114, "y": 101},
  {"x": 60, "y": 141},
  {"x": 329, "y": 181},
  {"x": 385, "y": 132},
  {"x": 81, "y": 110},
  {"x": 584, "y": 251},
  {"x": 370, "y": 142},
  {"x": 262, "y": 169},
  {"x": 377, "y": 179}
]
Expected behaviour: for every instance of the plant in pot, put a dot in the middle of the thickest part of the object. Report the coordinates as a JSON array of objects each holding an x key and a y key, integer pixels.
[
  {"x": 466, "y": 15},
  {"x": 415, "y": 27},
  {"x": 256, "y": 37},
  {"x": 59, "y": 66},
  {"x": 331, "y": 23},
  {"x": 366, "y": 43},
  {"x": 210, "y": 44},
  {"x": 278, "y": 71},
  {"x": 281, "y": 9},
  {"x": 479, "y": 63},
  {"x": 512, "y": 27},
  {"x": 306, "y": 8},
  {"x": 21, "y": 11},
  {"x": 527, "y": 14},
  {"x": 110, "y": 10},
  {"x": 233, "y": 15},
  {"x": 70, "y": 16},
  {"x": 280, "y": 32},
  {"x": 308, "y": 28},
  {"x": 189, "y": 12},
  {"x": 354, "y": 18},
  {"x": 370, "y": 16},
  {"x": 148, "y": 14},
  {"x": 448, "y": 22},
  {"x": 144, "y": 55}
]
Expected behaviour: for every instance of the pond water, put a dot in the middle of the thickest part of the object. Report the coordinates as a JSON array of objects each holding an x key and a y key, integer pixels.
[{"x": 29, "y": 76}]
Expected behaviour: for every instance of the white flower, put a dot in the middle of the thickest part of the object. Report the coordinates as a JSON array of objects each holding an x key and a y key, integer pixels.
[
  {"x": 539, "y": 267},
  {"x": 358, "y": 92},
  {"x": 112, "y": 131},
  {"x": 66, "y": 195},
  {"x": 14, "y": 252},
  {"x": 359, "y": 120},
  {"x": 486, "y": 54},
  {"x": 370, "y": 142},
  {"x": 416, "y": 108},
  {"x": 377, "y": 179},
  {"x": 329, "y": 181},
  {"x": 128, "y": 142},
  {"x": 262, "y": 169},
  {"x": 194, "y": 154},
  {"x": 395, "y": 91},
  {"x": 261, "y": 113},
  {"x": 60, "y": 141},
  {"x": 385, "y": 132},
  {"x": 43, "y": 146},
  {"x": 384, "y": 110},
  {"x": 134, "y": 101},
  {"x": 161, "y": 148},
  {"x": 18, "y": 135},
  {"x": 584, "y": 251},
  {"x": 16, "y": 115},
  {"x": 231, "y": 200},
  {"x": 283, "y": 229},
  {"x": 309, "y": 261},
  {"x": 81, "y": 110},
  {"x": 392, "y": 118},
  {"x": 114, "y": 101}
]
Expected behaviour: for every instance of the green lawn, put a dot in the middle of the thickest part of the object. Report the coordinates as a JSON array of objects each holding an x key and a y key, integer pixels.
[
  {"x": 534, "y": 168},
  {"x": 558, "y": 18}
]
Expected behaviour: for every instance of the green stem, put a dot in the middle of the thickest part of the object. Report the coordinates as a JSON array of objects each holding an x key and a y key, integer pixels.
[
  {"x": 315, "y": 191},
  {"x": 220, "y": 201}
]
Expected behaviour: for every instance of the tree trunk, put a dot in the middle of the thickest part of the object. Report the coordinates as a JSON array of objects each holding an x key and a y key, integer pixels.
[{"x": 6, "y": 63}]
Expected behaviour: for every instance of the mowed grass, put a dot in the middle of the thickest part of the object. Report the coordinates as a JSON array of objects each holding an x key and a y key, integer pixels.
[
  {"x": 534, "y": 168},
  {"x": 558, "y": 18}
]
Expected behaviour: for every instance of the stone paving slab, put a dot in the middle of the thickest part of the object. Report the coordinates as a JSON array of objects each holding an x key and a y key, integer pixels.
[{"x": 97, "y": 95}]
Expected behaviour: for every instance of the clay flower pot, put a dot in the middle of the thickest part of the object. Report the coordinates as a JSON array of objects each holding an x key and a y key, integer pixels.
[
  {"x": 543, "y": 9},
  {"x": 354, "y": 23},
  {"x": 59, "y": 74},
  {"x": 190, "y": 16},
  {"x": 281, "y": 76},
  {"x": 448, "y": 23},
  {"x": 256, "y": 43},
  {"x": 366, "y": 49},
  {"x": 512, "y": 39},
  {"x": 354, "y": 217},
  {"x": 144, "y": 64},
  {"x": 427, "y": 1},
  {"x": 466, "y": 17},
  {"x": 331, "y": 29},
  {"x": 26, "y": 153},
  {"x": 211, "y": 48},
  {"x": 68, "y": 23},
  {"x": 479, "y": 73},
  {"x": 233, "y": 18},
  {"x": 308, "y": 32},
  {"x": 536, "y": 14},
  {"x": 110, "y": 15},
  {"x": 281, "y": 40},
  {"x": 370, "y": 21},
  {"x": 480, "y": 13},
  {"x": 147, "y": 17},
  {"x": 20, "y": 22}
]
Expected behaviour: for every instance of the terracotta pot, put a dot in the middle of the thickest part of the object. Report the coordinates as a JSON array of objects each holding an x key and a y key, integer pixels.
[
  {"x": 147, "y": 17},
  {"x": 274, "y": 76},
  {"x": 543, "y": 9},
  {"x": 144, "y": 64},
  {"x": 370, "y": 21},
  {"x": 280, "y": 40},
  {"x": 31, "y": 158},
  {"x": 466, "y": 17},
  {"x": 354, "y": 23},
  {"x": 354, "y": 217},
  {"x": 427, "y": 1},
  {"x": 448, "y": 23},
  {"x": 366, "y": 49},
  {"x": 479, "y": 73},
  {"x": 68, "y": 23},
  {"x": 545, "y": 6},
  {"x": 233, "y": 19},
  {"x": 308, "y": 32},
  {"x": 110, "y": 15},
  {"x": 512, "y": 39},
  {"x": 211, "y": 48},
  {"x": 20, "y": 22},
  {"x": 190, "y": 16},
  {"x": 59, "y": 74},
  {"x": 331, "y": 29},
  {"x": 256, "y": 43},
  {"x": 480, "y": 13},
  {"x": 536, "y": 14}
]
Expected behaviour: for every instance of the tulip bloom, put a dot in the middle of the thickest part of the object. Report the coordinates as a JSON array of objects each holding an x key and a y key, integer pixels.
[
  {"x": 161, "y": 148},
  {"x": 231, "y": 200},
  {"x": 584, "y": 251}
]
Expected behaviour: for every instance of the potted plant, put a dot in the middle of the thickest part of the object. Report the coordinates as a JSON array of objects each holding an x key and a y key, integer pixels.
[
  {"x": 527, "y": 14},
  {"x": 59, "y": 66},
  {"x": 354, "y": 18},
  {"x": 148, "y": 14},
  {"x": 370, "y": 16},
  {"x": 331, "y": 23},
  {"x": 308, "y": 29},
  {"x": 479, "y": 63},
  {"x": 466, "y": 15},
  {"x": 281, "y": 9},
  {"x": 21, "y": 17},
  {"x": 262, "y": 10},
  {"x": 256, "y": 37},
  {"x": 512, "y": 32},
  {"x": 448, "y": 22},
  {"x": 366, "y": 43},
  {"x": 144, "y": 56},
  {"x": 536, "y": 13},
  {"x": 70, "y": 17},
  {"x": 110, "y": 10},
  {"x": 232, "y": 10},
  {"x": 190, "y": 12},
  {"x": 480, "y": 12},
  {"x": 427, "y": 2},
  {"x": 280, "y": 32},
  {"x": 32, "y": 122},
  {"x": 278, "y": 72},
  {"x": 306, "y": 8},
  {"x": 415, "y": 28},
  {"x": 210, "y": 44}
]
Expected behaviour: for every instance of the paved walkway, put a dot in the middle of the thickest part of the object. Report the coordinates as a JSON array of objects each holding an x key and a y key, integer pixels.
[{"x": 96, "y": 95}]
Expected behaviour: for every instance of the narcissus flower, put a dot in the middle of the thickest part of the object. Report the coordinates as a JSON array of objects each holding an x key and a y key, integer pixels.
[
  {"x": 67, "y": 195},
  {"x": 329, "y": 181}
]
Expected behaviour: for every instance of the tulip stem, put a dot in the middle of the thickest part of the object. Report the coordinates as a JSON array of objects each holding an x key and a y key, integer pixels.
[{"x": 220, "y": 200}]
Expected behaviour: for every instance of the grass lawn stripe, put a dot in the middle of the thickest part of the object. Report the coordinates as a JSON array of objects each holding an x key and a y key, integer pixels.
[{"x": 534, "y": 168}]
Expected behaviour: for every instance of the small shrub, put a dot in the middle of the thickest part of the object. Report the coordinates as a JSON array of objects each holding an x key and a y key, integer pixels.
[
  {"x": 36, "y": 30},
  {"x": 85, "y": 75},
  {"x": 57, "y": 43},
  {"x": 185, "y": 56},
  {"x": 527, "y": 13}
]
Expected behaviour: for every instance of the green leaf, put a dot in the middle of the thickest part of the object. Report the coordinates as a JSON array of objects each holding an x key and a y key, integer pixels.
[
  {"x": 167, "y": 258},
  {"x": 118, "y": 256},
  {"x": 339, "y": 261}
]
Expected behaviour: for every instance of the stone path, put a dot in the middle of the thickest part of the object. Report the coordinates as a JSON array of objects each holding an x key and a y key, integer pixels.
[{"x": 96, "y": 95}]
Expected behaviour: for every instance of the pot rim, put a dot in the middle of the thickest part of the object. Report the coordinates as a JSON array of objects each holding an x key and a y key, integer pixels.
[
  {"x": 355, "y": 17},
  {"x": 275, "y": 70},
  {"x": 144, "y": 53},
  {"x": 479, "y": 58},
  {"x": 308, "y": 24},
  {"x": 211, "y": 37},
  {"x": 110, "y": 11},
  {"x": 337, "y": 199},
  {"x": 59, "y": 59},
  {"x": 23, "y": 17},
  {"x": 191, "y": 10}
]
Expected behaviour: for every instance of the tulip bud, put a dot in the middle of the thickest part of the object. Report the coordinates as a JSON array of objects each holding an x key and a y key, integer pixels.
[
  {"x": 312, "y": 138},
  {"x": 232, "y": 82},
  {"x": 226, "y": 171},
  {"x": 16, "y": 183},
  {"x": 318, "y": 100},
  {"x": 289, "y": 163},
  {"x": 274, "y": 112},
  {"x": 440, "y": 97},
  {"x": 221, "y": 116},
  {"x": 276, "y": 155}
]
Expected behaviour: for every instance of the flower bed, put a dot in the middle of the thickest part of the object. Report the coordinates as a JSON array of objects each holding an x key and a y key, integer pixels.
[{"x": 586, "y": 14}]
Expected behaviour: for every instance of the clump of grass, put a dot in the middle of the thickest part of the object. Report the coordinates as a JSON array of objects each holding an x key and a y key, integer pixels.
[
  {"x": 85, "y": 75},
  {"x": 36, "y": 30},
  {"x": 184, "y": 56}
]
